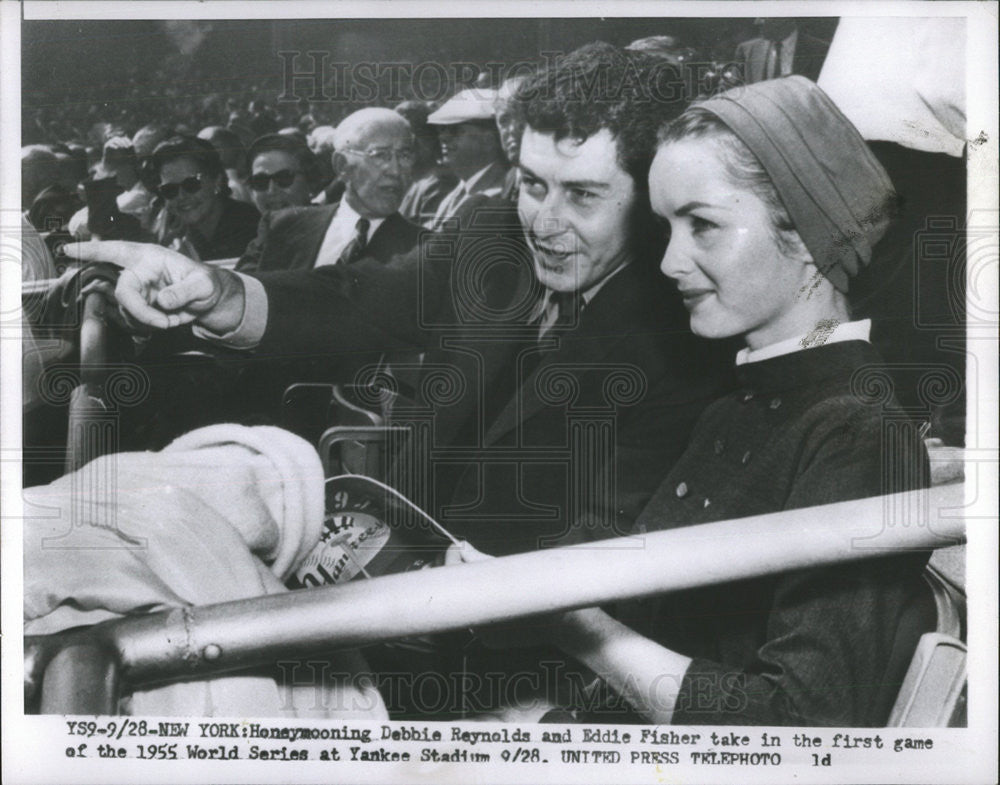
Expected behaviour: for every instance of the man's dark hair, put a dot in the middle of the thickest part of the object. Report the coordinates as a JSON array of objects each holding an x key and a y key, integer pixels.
[
  {"x": 631, "y": 94},
  {"x": 600, "y": 86}
]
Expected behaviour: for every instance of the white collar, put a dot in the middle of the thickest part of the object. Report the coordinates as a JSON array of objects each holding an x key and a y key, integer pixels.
[
  {"x": 586, "y": 295},
  {"x": 825, "y": 332},
  {"x": 348, "y": 215}
]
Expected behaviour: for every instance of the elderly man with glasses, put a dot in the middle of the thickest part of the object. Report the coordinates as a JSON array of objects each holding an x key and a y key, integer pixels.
[{"x": 374, "y": 158}]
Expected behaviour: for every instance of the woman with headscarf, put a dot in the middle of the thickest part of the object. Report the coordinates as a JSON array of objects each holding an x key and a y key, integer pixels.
[{"x": 774, "y": 202}]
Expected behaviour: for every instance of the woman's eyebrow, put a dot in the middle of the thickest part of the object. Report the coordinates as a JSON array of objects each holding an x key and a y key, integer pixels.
[{"x": 690, "y": 207}]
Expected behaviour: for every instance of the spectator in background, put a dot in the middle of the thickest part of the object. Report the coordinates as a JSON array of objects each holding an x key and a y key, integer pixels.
[
  {"x": 510, "y": 128},
  {"x": 284, "y": 172},
  {"x": 200, "y": 219},
  {"x": 144, "y": 142},
  {"x": 321, "y": 141},
  {"x": 262, "y": 119},
  {"x": 39, "y": 170},
  {"x": 119, "y": 162},
  {"x": 470, "y": 147},
  {"x": 781, "y": 49},
  {"x": 76, "y": 167},
  {"x": 666, "y": 47},
  {"x": 431, "y": 180},
  {"x": 230, "y": 148},
  {"x": 374, "y": 158}
]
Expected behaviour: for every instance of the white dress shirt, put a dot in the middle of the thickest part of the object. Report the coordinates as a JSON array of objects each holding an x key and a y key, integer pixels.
[{"x": 340, "y": 232}]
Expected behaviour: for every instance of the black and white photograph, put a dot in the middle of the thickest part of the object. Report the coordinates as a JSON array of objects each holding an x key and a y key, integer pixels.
[{"x": 419, "y": 392}]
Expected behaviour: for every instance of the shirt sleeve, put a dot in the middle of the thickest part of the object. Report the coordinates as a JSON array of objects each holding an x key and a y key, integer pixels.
[{"x": 250, "y": 330}]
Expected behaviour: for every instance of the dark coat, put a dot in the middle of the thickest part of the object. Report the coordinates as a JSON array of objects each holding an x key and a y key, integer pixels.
[
  {"x": 518, "y": 451},
  {"x": 809, "y": 647},
  {"x": 291, "y": 239},
  {"x": 235, "y": 230},
  {"x": 807, "y": 60}
]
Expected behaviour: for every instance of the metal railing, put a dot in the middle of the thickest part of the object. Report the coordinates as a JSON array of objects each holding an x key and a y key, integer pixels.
[{"x": 196, "y": 641}]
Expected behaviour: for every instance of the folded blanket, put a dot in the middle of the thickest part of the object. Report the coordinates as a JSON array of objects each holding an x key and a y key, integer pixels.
[{"x": 222, "y": 513}]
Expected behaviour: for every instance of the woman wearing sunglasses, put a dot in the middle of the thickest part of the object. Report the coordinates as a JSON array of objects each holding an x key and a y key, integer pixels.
[
  {"x": 199, "y": 218},
  {"x": 773, "y": 202},
  {"x": 284, "y": 172}
]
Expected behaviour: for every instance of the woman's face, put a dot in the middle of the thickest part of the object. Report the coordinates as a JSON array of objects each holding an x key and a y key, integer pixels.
[
  {"x": 276, "y": 196},
  {"x": 187, "y": 206},
  {"x": 723, "y": 254}
]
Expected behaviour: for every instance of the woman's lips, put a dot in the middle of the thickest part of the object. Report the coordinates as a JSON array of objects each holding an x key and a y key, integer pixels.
[{"x": 693, "y": 297}]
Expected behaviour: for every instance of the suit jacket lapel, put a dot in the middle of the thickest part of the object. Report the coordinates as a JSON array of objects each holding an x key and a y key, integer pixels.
[
  {"x": 596, "y": 335},
  {"x": 313, "y": 233},
  {"x": 484, "y": 360},
  {"x": 394, "y": 235}
]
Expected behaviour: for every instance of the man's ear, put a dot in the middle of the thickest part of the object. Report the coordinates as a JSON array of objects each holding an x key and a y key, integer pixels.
[{"x": 339, "y": 161}]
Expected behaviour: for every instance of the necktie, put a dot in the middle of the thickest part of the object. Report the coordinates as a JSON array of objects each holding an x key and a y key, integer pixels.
[
  {"x": 776, "y": 71},
  {"x": 565, "y": 306},
  {"x": 356, "y": 247}
]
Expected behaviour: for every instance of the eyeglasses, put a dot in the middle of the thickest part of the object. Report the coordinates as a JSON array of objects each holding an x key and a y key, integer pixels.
[
  {"x": 190, "y": 185},
  {"x": 262, "y": 181},
  {"x": 382, "y": 156}
]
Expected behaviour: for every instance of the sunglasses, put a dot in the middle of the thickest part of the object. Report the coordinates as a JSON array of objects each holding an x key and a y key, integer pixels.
[
  {"x": 262, "y": 181},
  {"x": 190, "y": 185}
]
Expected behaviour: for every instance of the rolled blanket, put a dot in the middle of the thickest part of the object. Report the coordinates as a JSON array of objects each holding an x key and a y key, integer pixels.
[{"x": 222, "y": 513}]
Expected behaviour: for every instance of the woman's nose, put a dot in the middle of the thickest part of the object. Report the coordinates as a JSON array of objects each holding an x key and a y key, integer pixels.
[{"x": 674, "y": 262}]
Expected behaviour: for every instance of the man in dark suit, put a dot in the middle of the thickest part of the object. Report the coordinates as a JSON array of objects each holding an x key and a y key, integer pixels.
[
  {"x": 782, "y": 49},
  {"x": 554, "y": 399},
  {"x": 374, "y": 159},
  {"x": 569, "y": 387}
]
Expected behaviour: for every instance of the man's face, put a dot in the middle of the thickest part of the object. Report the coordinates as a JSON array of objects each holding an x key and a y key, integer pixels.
[
  {"x": 508, "y": 127},
  {"x": 269, "y": 170},
  {"x": 467, "y": 147},
  {"x": 575, "y": 203},
  {"x": 377, "y": 169}
]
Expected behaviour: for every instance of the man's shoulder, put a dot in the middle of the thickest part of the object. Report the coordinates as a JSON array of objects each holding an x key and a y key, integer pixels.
[
  {"x": 403, "y": 227},
  {"x": 299, "y": 217},
  {"x": 241, "y": 210},
  {"x": 744, "y": 47},
  {"x": 492, "y": 180}
]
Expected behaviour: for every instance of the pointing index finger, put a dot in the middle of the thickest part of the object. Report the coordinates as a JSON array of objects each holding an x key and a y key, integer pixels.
[{"x": 118, "y": 252}]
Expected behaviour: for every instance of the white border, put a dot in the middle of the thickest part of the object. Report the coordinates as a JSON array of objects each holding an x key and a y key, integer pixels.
[{"x": 974, "y": 751}]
